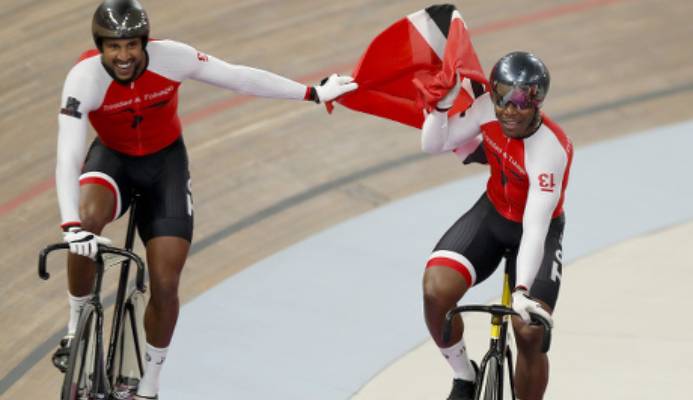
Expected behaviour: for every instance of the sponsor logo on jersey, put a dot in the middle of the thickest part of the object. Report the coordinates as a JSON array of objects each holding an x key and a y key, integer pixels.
[
  {"x": 137, "y": 99},
  {"x": 120, "y": 104},
  {"x": 72, "y": 108},
  {"x": 202, "y": 57},
  {"x": 163, "y": 92},
  {"x": 508, "y": 157}
]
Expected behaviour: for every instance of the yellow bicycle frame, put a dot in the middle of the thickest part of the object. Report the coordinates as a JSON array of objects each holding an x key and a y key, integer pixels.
[{"x": 506, "y": 300}]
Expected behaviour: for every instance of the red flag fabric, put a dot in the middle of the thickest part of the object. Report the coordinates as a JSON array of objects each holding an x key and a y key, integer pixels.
[{"x": 412, "y": 64}]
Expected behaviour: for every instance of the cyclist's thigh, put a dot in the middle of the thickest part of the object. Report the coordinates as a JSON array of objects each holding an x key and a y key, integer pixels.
[
  {"x": 548, "y": 281},
  {"x": 163, "y": 181},
  {"x": 103, "y": 180},
  {"x": 469, "y": 246}
]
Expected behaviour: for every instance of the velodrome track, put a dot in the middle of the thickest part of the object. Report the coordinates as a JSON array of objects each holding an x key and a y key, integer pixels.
[
  {"x": 328, "y": 313},
  {"x": 268, "y": 174}
]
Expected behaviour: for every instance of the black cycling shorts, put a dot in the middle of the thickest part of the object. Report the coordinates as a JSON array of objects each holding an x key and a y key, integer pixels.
[
  {"x": 162, "y": 180},
  {"x": 476, "y": 243}
]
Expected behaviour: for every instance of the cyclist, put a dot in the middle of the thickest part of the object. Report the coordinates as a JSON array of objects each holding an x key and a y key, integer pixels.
[
  {"x": 519, "y": 217},
  {"x": 128, "y": 88}
]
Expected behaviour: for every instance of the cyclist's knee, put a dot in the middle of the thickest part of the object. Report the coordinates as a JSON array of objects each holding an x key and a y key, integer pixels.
[
  {"x": 528, "y": 337},
  {"x": 440, "y": 291},
  {"x": 93, "y": 217},
  {"x": 165, "y": 290}
]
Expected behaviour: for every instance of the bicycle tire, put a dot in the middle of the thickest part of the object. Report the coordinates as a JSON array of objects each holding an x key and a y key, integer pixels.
[
  {"x": 492, "y": 381},
  {"x": 82, "y": 361},
  {"x": 128, "y": 363}
]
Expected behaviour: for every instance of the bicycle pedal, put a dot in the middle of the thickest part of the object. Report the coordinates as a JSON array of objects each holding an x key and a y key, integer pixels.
[
  {"x": 124, "y": 389},
  {"x": 122, "y": 394}
]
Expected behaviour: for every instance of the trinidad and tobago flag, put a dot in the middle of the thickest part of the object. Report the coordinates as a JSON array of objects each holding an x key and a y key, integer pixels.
[{"x": 412, "y": 64}]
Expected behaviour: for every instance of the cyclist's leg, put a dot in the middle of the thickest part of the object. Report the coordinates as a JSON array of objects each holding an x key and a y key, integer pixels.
[
  {"x": 532, "y": 366},
  {"x": 95, "y": 211},
  {"x": 166, "y": 257},
  {"x": 94, "y": 201},
  {"x": 532, "y": 369},
  {"x": 465, "y": 255},
  {"x": 165, "y": 224},
  {"x": 443, "y": 288},
  {"x": 101, "y": 199}
]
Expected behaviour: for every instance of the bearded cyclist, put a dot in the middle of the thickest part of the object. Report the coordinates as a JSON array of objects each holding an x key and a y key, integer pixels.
[
  {"x": 520, "y": 217},
  {"x": 128, "y": 88}
]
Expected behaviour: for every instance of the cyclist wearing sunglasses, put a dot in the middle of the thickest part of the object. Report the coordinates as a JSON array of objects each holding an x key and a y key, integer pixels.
[{"x": 519, "y": 217}]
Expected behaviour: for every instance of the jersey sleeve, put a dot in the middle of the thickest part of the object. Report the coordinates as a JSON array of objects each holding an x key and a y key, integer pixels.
[
  {"x": 546, "y": 165},
  {"x": 460, "y": 132},
  {"x": 185, "y": 62},
  {"x": 77, "y": 100}
]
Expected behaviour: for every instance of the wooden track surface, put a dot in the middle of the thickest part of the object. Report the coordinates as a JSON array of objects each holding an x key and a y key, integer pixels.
[{"x": 268, "y": 173}]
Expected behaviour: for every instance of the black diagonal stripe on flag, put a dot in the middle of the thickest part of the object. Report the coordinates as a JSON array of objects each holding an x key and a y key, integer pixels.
[
  {"x": 478, "y": 89},
  {"x": 440, "y": 14}
]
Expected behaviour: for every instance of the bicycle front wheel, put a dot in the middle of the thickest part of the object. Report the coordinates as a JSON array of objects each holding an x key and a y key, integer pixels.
[
  {"x": 128, "y": 361},
  {"x": 79, "y": 381},
  {"x": 493, "y": 389}
]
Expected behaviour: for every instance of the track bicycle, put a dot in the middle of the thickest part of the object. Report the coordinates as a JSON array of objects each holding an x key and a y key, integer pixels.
[
  {"x": 89, "y": 374},
  {"x": 489, "y": 379}
]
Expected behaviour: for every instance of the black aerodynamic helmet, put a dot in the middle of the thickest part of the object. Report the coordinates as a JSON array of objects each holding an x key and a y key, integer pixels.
[
  {"x": 120, "y": 19},
  {"x": 526, "y": 74}
]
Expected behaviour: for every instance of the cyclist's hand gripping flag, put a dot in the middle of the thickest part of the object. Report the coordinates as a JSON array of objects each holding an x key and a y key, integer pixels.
[{"x": 411, "y": 65}]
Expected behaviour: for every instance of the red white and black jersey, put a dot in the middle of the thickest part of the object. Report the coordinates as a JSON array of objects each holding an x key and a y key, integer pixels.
[
  {"x": 528, "y": 176},
  {"x": 141, "y": 117}
]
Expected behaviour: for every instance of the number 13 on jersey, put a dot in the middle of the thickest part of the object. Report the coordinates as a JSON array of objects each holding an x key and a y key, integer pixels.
[{"x": 546, "y": 182}]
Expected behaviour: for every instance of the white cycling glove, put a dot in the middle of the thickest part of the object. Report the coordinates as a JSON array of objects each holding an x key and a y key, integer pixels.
[
  {"x": 334, "y": 87},
  {"x": 84, "y": 243},
  {"x": 446, "y": 102},
  {"x": 524, "y": 305}
]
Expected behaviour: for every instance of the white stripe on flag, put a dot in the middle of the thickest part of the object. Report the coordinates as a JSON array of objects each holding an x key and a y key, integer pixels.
[
  {"x": 467, "y": 86},
  {"x": 429, "y": 31},
  {"x": 457, "y": 14}
]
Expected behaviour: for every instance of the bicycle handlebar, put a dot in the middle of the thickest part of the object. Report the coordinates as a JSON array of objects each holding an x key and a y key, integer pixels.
[
  {"x": 103, "y": 249},
  {"x": 497, "y": 310}
]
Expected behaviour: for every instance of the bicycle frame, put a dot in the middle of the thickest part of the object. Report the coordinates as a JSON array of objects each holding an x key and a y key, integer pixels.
[
  {"x": 120, "y": 295},
  {"x": 104, "y": 369},
  {"x": 499, "y": 350}
]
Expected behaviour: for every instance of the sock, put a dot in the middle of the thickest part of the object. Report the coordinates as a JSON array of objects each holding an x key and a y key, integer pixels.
[
  {"x": 154, "y": 360},
  {"x": 459, "y": 361},
  {"x": 76, "y": 304}
]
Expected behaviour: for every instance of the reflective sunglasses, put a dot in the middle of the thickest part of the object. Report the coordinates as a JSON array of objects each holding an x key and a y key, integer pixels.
[{"x": 521, "y": 97}]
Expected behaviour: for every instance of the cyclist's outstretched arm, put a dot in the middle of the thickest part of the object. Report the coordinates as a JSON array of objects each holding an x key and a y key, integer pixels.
[{"x": 247, "y": 80}]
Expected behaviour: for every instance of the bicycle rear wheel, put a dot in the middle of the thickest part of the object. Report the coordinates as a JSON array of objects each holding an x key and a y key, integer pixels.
[{"x": 80, "y": 378}]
